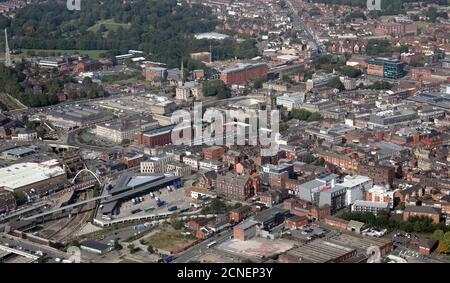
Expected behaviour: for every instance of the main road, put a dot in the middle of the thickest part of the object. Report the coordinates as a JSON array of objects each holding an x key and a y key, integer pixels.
[{"x": 305, "y": 30}]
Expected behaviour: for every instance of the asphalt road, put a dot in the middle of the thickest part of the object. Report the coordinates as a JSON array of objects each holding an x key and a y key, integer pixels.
[{"x": 202, "y": 247}]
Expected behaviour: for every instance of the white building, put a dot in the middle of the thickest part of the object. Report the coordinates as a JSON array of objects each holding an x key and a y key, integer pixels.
[
  {"x": 291, "y": 101},
  {"x": 356, "y": 186},
  {"x": 156, "y": 164},
  {"x": 370, "y": 206}
]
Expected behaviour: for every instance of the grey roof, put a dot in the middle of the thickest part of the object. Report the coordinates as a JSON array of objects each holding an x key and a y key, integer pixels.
[
  {"x": 246, "y": 224},
  {"x": 95, "y": 245},
  {"x": 422, "y": 209}
]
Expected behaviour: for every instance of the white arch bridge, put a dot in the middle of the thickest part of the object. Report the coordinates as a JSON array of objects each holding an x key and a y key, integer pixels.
[{"x": 89, "y": 171}]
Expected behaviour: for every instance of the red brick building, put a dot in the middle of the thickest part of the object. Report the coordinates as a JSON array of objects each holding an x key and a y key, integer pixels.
[
  {"x": 238, "y": 214},
  {"x": 155, "y": 137},
  {"x": 244, "y": 74},
  {"x": 295, "y": 222},
  {"x": 422, "y": 211},
  {"x": 213, "y": 152},
  {"x": 245, "y": 230}
]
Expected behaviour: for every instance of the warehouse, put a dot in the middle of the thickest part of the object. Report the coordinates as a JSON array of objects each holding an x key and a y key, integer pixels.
[
  {"x": 318, "y": 251},
  {"x": 29, "y": 176}
]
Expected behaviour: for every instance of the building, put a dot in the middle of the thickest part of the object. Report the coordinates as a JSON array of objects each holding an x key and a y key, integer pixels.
[
  {"x": 237, "y": 186},
  {"x": 214, "y": 165},
  {"x": 32, "y": 177},
  {"x": 240, "y": 213},
  {"x": 386, "y": 68},
  {"x": 270, "y": 218},
  {"x": 380, "y": 174},
  {"x": 155, "y": 74},
  {"x": 296, "y": 222},
  {"x": 17, "y": 153},
  {"x": 213, "y": 152},
  {"x": 243, "y": 74},
  {"x": 356, "y": 187},
  {"x": 156, "y": 164},
  {"x": 333, "y": 197},
  {"x": 370, "y": 206},
  {"x": 24, "y": 135},
  {"x": 155, "y": 137},
  {"x": 132, "y": 159},
  {"x": 391, "y": 118},
  {"x": 245, "y": 231},
  {"x": 291, "y": 101},
  {"x": 130, "y": 185},
  {"x": 178, "y": 169},
  {"x": 74, "y": 116},
  {"x": 318, "y": 251},
  {"x": 422, "y": 211},
  {"x": 396, "y": 28},
  {"x": 381, "y": 194},
  {"x": 96, "y": 247},
  {"x": 310, "y": 191},
  {"x": 125, "y": 129}
]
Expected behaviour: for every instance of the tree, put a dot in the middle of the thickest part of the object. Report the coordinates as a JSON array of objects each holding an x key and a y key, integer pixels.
[
  {"x": 351, "y": 72},
  {"x": 150, "y": 249},
  {"x": 175, "y": 222},
  {"x": 216, "y": 88},
  {"x": 131, "y": 248},
  {"x": 438, "y": 235},
  {"x": 315, "y": 116},
  {"x": 21, "y": 198},
  {"x": 258, "y": 83},
  {"x": 443, "y": 248},
  {"x": 336, "y": 83}
]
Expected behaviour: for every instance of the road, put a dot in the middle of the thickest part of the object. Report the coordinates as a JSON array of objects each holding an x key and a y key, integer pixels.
[
  {"x": 305, "y": 31},
  {"x": 202, "y": 248}
]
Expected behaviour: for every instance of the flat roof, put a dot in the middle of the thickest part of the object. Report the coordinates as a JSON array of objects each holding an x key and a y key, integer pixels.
[{"x": 23, "y": 174}]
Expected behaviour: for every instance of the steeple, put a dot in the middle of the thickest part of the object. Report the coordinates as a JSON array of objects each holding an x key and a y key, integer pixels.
[
  {"x": 8, "y": 62},
  {"x": 182, "y": 76}
]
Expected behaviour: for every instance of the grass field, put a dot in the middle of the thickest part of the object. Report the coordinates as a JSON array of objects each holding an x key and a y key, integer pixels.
[
  {"x": 110, "y": 25},
  {"x": 91, "y": 53},
  {"x": 169, "y": 239}
]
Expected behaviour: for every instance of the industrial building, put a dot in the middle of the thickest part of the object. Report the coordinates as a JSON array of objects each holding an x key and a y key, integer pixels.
[
  {"x": 318, "y": 251},
  {"x": 73, "y": 116},
  {"x": 28, "y": 177},
  {"x": 243, "y": 74}
]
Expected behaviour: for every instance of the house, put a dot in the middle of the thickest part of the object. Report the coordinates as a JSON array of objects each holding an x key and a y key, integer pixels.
[{"x": 240, "y": 213}]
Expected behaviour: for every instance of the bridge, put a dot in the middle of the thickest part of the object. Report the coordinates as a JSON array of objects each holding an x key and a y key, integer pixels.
[{"x": 90, "y": 172}]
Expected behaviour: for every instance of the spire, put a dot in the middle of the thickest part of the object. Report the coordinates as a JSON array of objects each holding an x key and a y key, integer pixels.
[
  {"x": 8, "y": 62},
  {"x": 182, "y": 78}
]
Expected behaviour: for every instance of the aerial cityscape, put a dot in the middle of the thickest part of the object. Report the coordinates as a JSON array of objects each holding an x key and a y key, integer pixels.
[{"x": 225, "y": 131}]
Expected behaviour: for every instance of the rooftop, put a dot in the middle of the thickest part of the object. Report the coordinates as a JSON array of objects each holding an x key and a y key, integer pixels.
[{"x": 23, "y": 174}]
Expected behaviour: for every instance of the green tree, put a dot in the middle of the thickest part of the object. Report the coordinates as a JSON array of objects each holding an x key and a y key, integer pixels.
[
  {"x": 438, "y": 235},
  {"x": 21, "y": 198},
  {"x": 336, "y": 83},
  {"x": 216, "y": 88}
]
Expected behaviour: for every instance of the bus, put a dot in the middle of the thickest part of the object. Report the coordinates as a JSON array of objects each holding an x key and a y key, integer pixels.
[{"x": 211, "y": 244}]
